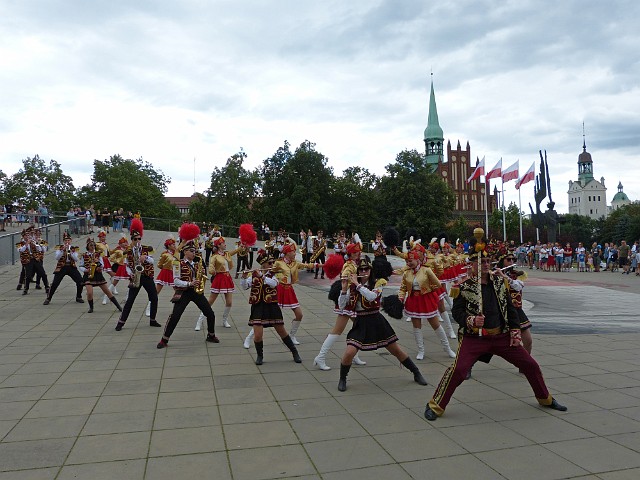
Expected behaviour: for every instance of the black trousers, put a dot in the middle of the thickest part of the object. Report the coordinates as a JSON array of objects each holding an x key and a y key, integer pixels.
[
  {"x": 58, "y": 276},
  {"x": 243, "y": 263},
  {"x": 150, "y": 287},
  {"x": 179, "y": 307},
  {"x": 35, "y": 267},
  {"x": 320, "y": 259},
  {"x": 207, "y": 252}
]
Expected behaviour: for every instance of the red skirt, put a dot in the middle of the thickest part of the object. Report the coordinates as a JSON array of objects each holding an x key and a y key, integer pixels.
[
  {"x": 441, "y": 293},
  {"x": 222, "y": 283},
  {"x": 449, "y": 274},
  {"x": 165, "y": 277},
  {"x": 106, "y": 263},
  {"x": 287, "y": 296},
  {"x": 421, "y": 306},
  {"x": 122, "y": 273}
]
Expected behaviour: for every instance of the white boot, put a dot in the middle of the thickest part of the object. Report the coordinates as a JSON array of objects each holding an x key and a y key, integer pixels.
[
  {"x": 446, "y": 322},
  {"x": 105, "y": 299},
  {"x": 320, "y": 359},
  {"x": 199, "y": 322},
  {"x": 147, "y": 311},
  {"x": 442, "y": 336},
  {"x": 357, "y": 360},
  {"x": 225, "y": 317},
  {"x": 115, "y": 290},
  {"x": 447, "y": 299},
  {"x": 417, "y": 333},
  {"x": 292, "y": 333},
  {"x": 247, "y": 341},
  {"x": 408, "y": 319}
]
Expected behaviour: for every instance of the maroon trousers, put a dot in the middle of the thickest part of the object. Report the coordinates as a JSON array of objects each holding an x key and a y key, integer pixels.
[{"x": 470, "y": 349}]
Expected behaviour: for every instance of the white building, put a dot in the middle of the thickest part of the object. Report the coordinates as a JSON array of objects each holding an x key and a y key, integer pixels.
[
  {"x": 587, "y": 196},
  {"x": 619, "y": 199}
]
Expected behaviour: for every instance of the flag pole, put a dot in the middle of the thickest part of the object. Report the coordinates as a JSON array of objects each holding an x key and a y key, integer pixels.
[
  {"x": 504, "y": 222},
  {"x": 486, "y": 205},
  {"x": 520, "y": 212}
]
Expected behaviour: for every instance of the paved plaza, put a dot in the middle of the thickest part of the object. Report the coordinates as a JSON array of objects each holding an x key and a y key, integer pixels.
[{"x": 80, "y": 400}]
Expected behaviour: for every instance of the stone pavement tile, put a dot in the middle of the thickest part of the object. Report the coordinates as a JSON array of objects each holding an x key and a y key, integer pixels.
[
  {"x": 219, "y": 362},
  {"x": 54, "y": 357},
  {"x": 123, "y": 422},
  {"x": 602, "y": 422},
  {"x": 630, "y": 474},
  {"x": 270, "y": 462},
  {"x": 629, "y": 440},
  {"x": 357, "y": 385},
  {"x": 105, "y": 448},
  {"x": 614, "y": 380},
  {"x": 187, "y": 361},
  {"x": 584, "y": 359},
  {"x": 510, "y": 408},
  {"x": 311, "y": 407},
  {"x": 250, "y": 412},
  {"x": 259, "y": 434},
  {"x": 15, "y": 410},
  {"x": 172, "y": 418},
  {"x": 122, "y": 470},
  {"x": 419, "y": 444},
  {"x": 243, "y": 369},
  {"x": 49, "y": 367},
  {"x": 74, "y": 390},
  {"x": 91, "y": 365},
  {"x": 187, "y": 441},
  {"x": 288, "y": 378},
  {"x": 18, "y": 394},
  {"x": 478, "y": 392},
  {"x": 32, "y": 474},
  {"x": 46, "y": 428},
  {"x": 550, "y": 428},
  {"x": 137, "y": 374},
  {"x": 382, "y": 472},
  {"x": 596, "y": 454},
  {"x": 33, "y": 349},
  {"x": 203, "y": 465},
  {"x": 10, "y": 368},
  {"x": 14, "y": 358},
  {"x": 350, "y": 453},
  {"x": 391, "y": 421},
  {"x": 460, "y": 467},
  {"x": 301, "y": 391},
  {"x": 609, "y": 398},
  {"x": 572, "y": 384},
  {"x": 243, "y": 395},
  {"x": 488, "y": 436},
  {"x": 458, "y": 414},
  {"x": 368, "y": 403},
  {"x": 616, "y": 366},
  {"x": 238, "y": 381},
  {"x": 201, "y": 398},
  {"x": 6, "y": 426},
  {"x": 633, "y": 413},
  {"x": 126, "y": 403},
  {"x": 131, "y": 363},
  {"x": 28, "y": 341},
  {"x": 187, "y": 384},
  {"x": 62, "y": 407},
  {"x": 327, "y": 428},
  {"x": 20, "y": 455},
  {"x": 132, "y": 387},
  {"x": 85, "y": 377},
  {"x": 541, "y": 464},
  {"x": 187, "y": 371}
]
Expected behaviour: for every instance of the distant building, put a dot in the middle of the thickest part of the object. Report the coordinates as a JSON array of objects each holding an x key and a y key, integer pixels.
[
  {"x": 619, "y": 199},
  {"x": 182, "y": 202},
  {"x": 470, "y": 197},
  {"x": 587, "y": 196}
]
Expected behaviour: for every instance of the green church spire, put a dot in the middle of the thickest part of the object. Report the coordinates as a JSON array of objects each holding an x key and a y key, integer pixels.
[{"x": 433, "y": 135}]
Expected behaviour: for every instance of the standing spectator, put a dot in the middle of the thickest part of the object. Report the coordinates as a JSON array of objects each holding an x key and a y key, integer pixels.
[
  {"x": 3, "y": 217},
  {"x": 104, "y": 217},
  {"x": 44, "y": 215},
  {"x": 267, "y": 232},
  {"x": 612, "y": 261},
  {"x": 536, "y": 254},
  {"x": 581, "y": 260},
  {"x": 605, "y": 255},
  {"x": 634, "y": 260},
  {"x": 559, "y": 253},
  {"x": 568, "y": 257},
  {"x": 595, "y": 256},
  {"x": 71, "y": 215},
  {"x": 623, "y": 256},
  {"x": 544, "y": 257}
]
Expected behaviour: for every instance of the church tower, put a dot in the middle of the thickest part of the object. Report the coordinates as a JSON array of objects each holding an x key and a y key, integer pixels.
[
  {"x": 587, "y": 196},
  {"x": 433, "y": 135}
]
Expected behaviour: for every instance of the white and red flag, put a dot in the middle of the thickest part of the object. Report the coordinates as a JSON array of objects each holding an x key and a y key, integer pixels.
[
  {"x": 527, "y": 177},
  {"x": 511, "y": 173},
  {"x": 479, "y": 170},
  {"x": 495, "y": 172}
]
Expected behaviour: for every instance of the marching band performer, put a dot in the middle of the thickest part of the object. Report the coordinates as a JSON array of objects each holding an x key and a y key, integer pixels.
[
  {"x": 118, "y": 264},
  {"x": 378, "y": 246},
  {"x": 221, "y": 281},
  {"x": 419, "y": 293},
  {"x": 91, "y": 267},
  {"x": 242, "y": 253},
  {"x": 370, "y": 329},
  {"x": 38, "y": 256},
  {"x": 140, "y": 269},
  {"x": 31, "y": 254},
  {"x": 345, "y": 313},
  {"x": 67, "y": 259},
  {"x": 168, "y": 262},
  {"x": 265, "y": 311},
  {"x": 189, "y": 287},
  {"x": 319, "y": 250}
]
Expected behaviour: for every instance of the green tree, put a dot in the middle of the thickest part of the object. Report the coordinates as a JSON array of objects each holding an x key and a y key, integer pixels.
[
  {"x": 38, "y": 182},
  {"x": 133, "y": 185},
  {"x": 355, "y": 208},
  {"x": 576, "y": 228},
  {"x": 459, "y": 229},
  {"x": 413, "y": 197},
  {"x": 512, "y": 217},
  {"x": 229, "y": 198}
]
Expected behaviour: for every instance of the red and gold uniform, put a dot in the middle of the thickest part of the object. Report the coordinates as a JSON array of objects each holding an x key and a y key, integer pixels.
[
  {"x": 219, "y": 266},
  {"x": 167, "y": 262},
  {"x": 287, "y": 274},
  {"x": 91, "y": 261},
  {"x": 419, "y": 292}
]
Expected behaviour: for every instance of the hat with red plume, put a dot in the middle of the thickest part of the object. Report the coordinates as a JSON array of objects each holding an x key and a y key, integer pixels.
[
  {"x": 414, "y": 255},
  {"x": 353, "y": 248},
  {"x": 189, "y": 233},
  {"x": 333, "y": 266},
  {"x": 137, "y": 228},
  {"x": 218, "y": 241},
  {"x": 288, "y": 247},
  {"x": 247, "y": 234}
]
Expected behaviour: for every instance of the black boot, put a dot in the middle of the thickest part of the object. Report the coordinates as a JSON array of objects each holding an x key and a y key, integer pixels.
[
  {"x": 344, "y": 371},
  {"x": 19, "y": 287},
  {"x": 259, "y": 351},
  {"x": 417, "y": 376},
  {"x": 289, "y": 343},
  {"x": 114, "y": 300},
  {"x": 90, "y": 306}
]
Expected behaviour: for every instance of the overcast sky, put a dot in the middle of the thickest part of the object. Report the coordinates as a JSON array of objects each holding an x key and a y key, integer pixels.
[{"x": 173, "y": 81}]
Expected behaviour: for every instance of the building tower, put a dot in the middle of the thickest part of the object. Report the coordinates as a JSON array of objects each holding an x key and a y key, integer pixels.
[
  {"x": 433, "y": 135},
  {"x": 619, "y": 199},
  {"x": 587, "y": 196}
]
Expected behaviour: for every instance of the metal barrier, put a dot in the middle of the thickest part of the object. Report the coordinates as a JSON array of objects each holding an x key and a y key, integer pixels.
[{"x": 51, "y": 232}]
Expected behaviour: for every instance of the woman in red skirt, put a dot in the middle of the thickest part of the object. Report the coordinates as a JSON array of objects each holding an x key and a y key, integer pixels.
[
  {"x": 221, "y": 262},
  {"x": 419, "y": 293},
  {"x": 169, "y": 260},
  {"x": 117, "y": 263}
]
